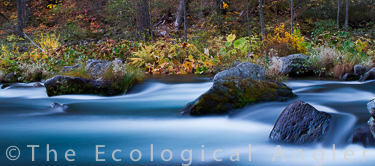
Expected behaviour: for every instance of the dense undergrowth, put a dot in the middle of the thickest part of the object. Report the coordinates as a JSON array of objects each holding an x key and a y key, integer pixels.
[{"x": 72, "y": 32}]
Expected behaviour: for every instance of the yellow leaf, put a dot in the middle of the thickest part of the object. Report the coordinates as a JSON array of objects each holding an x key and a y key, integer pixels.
[{"x": 231, "y": 37}]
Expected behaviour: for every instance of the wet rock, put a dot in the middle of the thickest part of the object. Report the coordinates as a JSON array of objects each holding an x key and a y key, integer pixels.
[
  {"x": 60, "y": 85},
  {"x": 69, "y": 68},
  {"x": 235, "y": 88},
  {"x": 296, "y": 64},
  {"x": 95, "y": 68},
  {"x": 371, "y": 107},
  {"x": 371, "y": 122},
  {"x": 359, "y": 69},
  {"x": 57, "y": 105},
  {"x": 350, "y": 77},
  {"x": 301, "y": 123},
  {"x": 363, "y": 136},
  {"x": 370, "y": 75},
  {"x": 37, "y": 85}
]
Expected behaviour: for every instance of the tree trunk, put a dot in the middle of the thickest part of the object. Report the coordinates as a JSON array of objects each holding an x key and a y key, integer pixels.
[
  {"x": 218, "y": 13},
  {"x": 21, "y": 16},
  {"x": 180, "y": 14},
  {"x": 143, "y": 19},
  {"x": 247, "y": 18},
  {"x": 185, "y": 20},
  {"x": 150, "y": 19},
  {"x": 291, "y": 16},
  {"x": 261, "y": 19},
  {"x": 346, "y": 14},
  {"x": 338, "y": 14}
]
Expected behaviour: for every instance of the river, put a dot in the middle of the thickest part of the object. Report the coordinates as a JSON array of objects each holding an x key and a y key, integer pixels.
[{"x": 146, "y": 122}]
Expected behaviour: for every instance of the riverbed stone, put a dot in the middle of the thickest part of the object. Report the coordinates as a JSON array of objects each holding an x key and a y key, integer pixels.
[
  {"x": 370, "y": 75},
  {"x": 359, "y": 69},
  {"x": 61, "y": 85},
  {"x": 371, "y": 122},
  {"x": 371, "y": 107},
  {"x": 301, "y": 123},
  {"x": 235, "y": 88},
  {"x": 363, "y": 136},
  {"x": 350, "y": 77},
  {"x": 295, "y": 64}
]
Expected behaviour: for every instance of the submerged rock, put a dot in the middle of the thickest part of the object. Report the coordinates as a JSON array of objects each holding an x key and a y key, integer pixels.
[
  {"x": 359, "y": 69},
  {"x": 57, "y": 105},
  {"x": 370, "y": 75},
  {"x": 236, "y": 87},
  {"x": 60, "y": 85},
  {"x": 363, "y": 136},
  {"x": 296, "y": 64},
  {"x": 301, "y": 123}
]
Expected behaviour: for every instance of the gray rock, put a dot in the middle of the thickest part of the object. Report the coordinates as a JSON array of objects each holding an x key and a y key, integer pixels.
[
  {"x": 371, "y": 124},
  {"x": 69, "y": 68},
  {"x": 371, "y": 107},
  {"x": 350, "y": 77},
  {"x": 359, "y": 69},
  {"x": 370, "y": 75},
  {"x": 236, "y": 87},
  {"x": 296, "y": 64},
  {"x": 363, "y": 136},
  {"x": 95, "y": 68},
  {"x": 301, "y": 123},
  {"x": 60, "y": 85}
]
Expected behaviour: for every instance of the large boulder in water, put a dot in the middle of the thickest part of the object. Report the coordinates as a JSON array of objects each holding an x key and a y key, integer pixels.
[
  {"x": 363, "y": 136},
  {"x": 60, "y": 85},
  {"x": 236, "y": 87},
  {"x": 296, "y": 64},
  {"x": 301, "y": 123}
]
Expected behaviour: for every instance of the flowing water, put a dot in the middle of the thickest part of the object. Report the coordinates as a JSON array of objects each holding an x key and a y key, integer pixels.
[{"x": 146, "y": 121}]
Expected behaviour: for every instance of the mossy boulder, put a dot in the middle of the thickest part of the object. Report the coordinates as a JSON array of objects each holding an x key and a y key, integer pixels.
[
  {"x": 235, "y": 88},
  {"x": 61, "y": 85}
]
